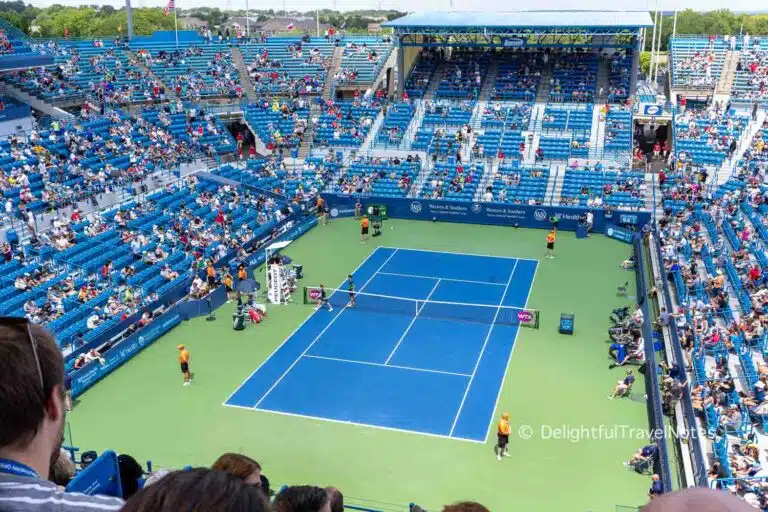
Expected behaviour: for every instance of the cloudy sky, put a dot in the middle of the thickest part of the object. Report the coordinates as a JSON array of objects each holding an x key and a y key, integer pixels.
[{"x": 423, "y": 5}]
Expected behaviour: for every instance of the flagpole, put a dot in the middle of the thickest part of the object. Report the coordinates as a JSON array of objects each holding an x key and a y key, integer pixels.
[{"x": 176, "y": 25}]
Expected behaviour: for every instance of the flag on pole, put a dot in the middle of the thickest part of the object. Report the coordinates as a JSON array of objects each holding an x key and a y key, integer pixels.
[
  {"x": 289, "y": 27},
  {"x": 171, "y": 6}
]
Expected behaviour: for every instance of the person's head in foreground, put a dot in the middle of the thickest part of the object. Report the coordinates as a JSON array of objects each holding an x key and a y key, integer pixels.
[
  {"x": 697, "y": 500},
  {"x": 335, "y": 498},
  {"x": 244, "y": 468},
  {"x": 31, "y": 396},
  {"x": 465, "y": 506},
  {"x": 198, "y": 490},
  {"x": 302, "y": 498},
  {"x": 32, "y": 423}
]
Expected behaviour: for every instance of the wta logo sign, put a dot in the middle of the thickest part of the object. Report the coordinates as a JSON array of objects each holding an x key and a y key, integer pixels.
[
  {"x": 525, "y": 317},
  {"x": 314, "y": 294}
]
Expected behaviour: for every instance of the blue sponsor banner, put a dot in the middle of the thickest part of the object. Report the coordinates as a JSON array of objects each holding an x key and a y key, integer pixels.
[
  {"x": 653, "y": 110},
  {"x": 502, "y": 214},
  {"x": 101, "y": 477},
  {"x": 619, "y": 233},
  {"x": 86, "y": 377}
]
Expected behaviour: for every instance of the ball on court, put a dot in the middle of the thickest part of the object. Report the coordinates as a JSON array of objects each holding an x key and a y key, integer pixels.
[{"x": 391, "y": 227}]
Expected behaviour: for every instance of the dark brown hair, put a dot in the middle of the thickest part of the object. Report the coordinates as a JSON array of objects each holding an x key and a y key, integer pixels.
[
  {"x": 236, "y": 464},
  {"x": 336, "y": 498},
  {"x": 465, "y": 506},
  {"x": 22, "y": 400},
  {"x": 198, "y": 489},
  {"x": 300, "y": 498}
]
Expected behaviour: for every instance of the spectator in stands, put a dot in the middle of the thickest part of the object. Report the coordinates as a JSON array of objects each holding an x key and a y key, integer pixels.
[
  {"x": 31, "y": 432},
  {"x": 302, "y": 498},
  {"x": 198, "y": 489},
  {"x": 94, "y": 355},
  {"x": 62, "y": 469},
  {"x": 94, "y": 320}
]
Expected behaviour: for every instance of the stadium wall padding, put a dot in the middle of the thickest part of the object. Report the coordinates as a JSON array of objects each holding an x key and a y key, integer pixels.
[{"x": 517, "y": 215}]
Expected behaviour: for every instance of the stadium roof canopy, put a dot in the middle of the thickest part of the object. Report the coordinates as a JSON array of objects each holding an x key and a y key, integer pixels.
[{"x": 446, "y": 20}]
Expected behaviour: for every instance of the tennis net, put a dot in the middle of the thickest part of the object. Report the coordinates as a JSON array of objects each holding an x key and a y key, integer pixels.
[{"x": 464, "y": 312}]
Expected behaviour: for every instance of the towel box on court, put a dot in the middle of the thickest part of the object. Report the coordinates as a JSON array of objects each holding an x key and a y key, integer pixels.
[{"x": 566, "y": 323}]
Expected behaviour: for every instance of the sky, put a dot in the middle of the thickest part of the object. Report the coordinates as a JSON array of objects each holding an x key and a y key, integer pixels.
[{"x": 428, "y": 5}]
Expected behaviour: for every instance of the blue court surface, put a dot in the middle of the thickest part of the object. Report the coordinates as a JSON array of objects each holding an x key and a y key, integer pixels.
[{"x": 430, "y": 368}]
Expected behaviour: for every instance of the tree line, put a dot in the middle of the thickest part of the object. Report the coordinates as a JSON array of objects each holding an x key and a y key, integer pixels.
[
  {"x": 105, "y": 20},
  {"x": 721, "y": 23}
]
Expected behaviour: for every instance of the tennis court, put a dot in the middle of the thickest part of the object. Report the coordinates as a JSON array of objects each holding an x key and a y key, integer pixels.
[{"x": 424, "y": 350}]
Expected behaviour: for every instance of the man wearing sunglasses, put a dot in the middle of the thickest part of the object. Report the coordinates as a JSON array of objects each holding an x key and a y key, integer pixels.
[{"x": 32, "y": 401}]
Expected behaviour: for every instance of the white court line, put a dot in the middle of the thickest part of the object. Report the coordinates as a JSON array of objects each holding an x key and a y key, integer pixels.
[
  {"x": 441, "y": 278},
  {"x": 356, "y": 424},
  {"x": 482, "y": 350},
  {"x": 459, "y": 253},
  {"x": 274, "y": 385},
  {"x": 291, "y": 335},
  {"x": 509, "y": 359},
  {"x": 413, "y": 321},
  {"x": 397, "y": 367}
]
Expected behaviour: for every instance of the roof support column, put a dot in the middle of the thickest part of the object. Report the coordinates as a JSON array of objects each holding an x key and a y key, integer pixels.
[{"x": 400, "y": 74}]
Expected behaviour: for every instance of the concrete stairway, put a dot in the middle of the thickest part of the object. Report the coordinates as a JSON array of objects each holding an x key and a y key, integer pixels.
[
  {"x": 305, "y": 147},
  {"x": 490, "y": 80},
  {"x": 38, "y": 104},
  {"x": 245, "y": 78},
  {"x": 728, "y": 73},
  {"x": 555, "y": 184},
  {"x": 745, "y": 141},
  {"x": 434, "y": 83},
  {"x": 486, "y": 179},
  {"x": 597, "y": 136},
  {"x": 424, "y": 174},
  {"x": 338, "y": 54},
  {"x": 653, "y": 194},
  {"x": 603, "y": 80},
  {"x": 542, "y": 95},
  {"x": 410, "y": 132},
  {"x": 134, "y": 60},
  {"x": 371, "y": 137}
]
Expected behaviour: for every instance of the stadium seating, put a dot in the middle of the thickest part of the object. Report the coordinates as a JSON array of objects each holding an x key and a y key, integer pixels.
[
  {"x": 398, "y": 117},
  {"x": 696, "y": 62},
  {"x": 611, "y": 188},
  {"x": 362, "y": 59},
  {"x": 288, "y": 64},
  {"x": 517, "y": 78},
  {"x": 378, "y": 176},
  {"x": 345, "y": 124},
  {"x": 452, "y": 181},
  {"x": 704, "y": 136},
  {"x": 421, "y": 74},
  {"x": 618, "y": 130},
  {"x": 463, "y": 76},
  {"x": 278, "y": 123},
  {"x": 574, "y": 78},
  {"x": 751, "y": 79},
  {"x": 514, "y": 183}
]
